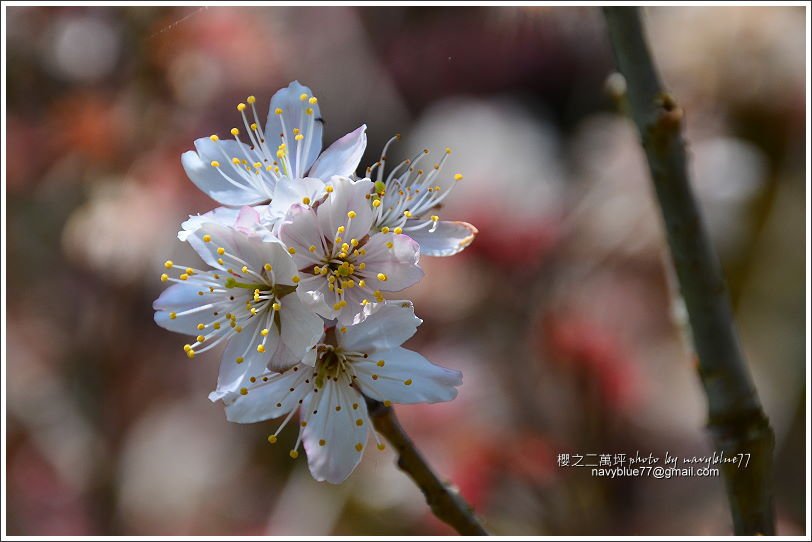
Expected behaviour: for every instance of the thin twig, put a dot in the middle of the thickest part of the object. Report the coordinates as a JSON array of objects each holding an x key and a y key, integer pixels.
[
  {"x": 446, "y": 503},
  {"x": 735, "y": 417}
]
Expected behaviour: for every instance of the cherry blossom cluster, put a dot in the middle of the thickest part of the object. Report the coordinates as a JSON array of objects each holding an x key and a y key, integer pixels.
[{"x": 299, "y": 266}]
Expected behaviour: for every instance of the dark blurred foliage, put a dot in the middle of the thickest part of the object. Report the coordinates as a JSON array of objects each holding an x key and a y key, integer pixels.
[{"x": 561, "y": 315}]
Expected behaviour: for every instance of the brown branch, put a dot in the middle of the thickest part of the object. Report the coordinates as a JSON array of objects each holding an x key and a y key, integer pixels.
[
  {"x": 447, "y": 504},
  {"x": 735, "y": 417}
]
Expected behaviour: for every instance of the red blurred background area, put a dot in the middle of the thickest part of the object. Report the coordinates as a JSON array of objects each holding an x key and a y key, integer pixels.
[{"x": 561, "y": 315}]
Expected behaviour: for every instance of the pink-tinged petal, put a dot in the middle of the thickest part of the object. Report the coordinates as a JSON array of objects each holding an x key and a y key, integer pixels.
[
  {"x": 332, "y": 435},
  {"x": 399, "y": 264},
  {"x": 180, "y": 298},
  {"x": 347, "y": 196},
  {"x": 295, "y": 116},
  {"x": 405, "y": 377},
  {"x": 247, "y": 220},
  {"x": 214, "y": 181},
  {"x": 300, "y": 327},
  {"x": 300, "y": 231},
  {"x": 342, "y": 157},
  {"x": 383, "y": 326},
  {"x": 295, "y": 191},
  {"x": 447, "y": 239},
  {"x": 241, "y": 249},
  {"x": 269, "y": 399}
]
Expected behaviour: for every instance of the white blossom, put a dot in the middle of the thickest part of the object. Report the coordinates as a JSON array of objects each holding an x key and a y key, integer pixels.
[
  {"x": 245, "y": 300},
  {"x": 408, "y": 198},
  {"x": 328, "y": 388}
]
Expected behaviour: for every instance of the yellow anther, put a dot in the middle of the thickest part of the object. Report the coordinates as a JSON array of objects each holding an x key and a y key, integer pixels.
[
  {"x": 359, "y": 422},
  {"x": 362, "y": 283},
  {"x": 380, "y": 363},
  {"x": 303, "y": 96},
  {"x": 341, "y": 229},
  {"x": 184, "y": 277},
  {"x": 201, "y": 338},
  {"x": 435, "y": 218},
  {"x": 267, "y": 267},
  {"x": 448, "y": 150},
  {"x": 243, "y": 391},
  {"x": 164, "y": 277},
  {"x": 296, "y": 131},
  {"x": 272, "y": 439},
  {"x": 351, "y": 214},
  {"x": 385, "y": 229},
  {"x": 260, "y": 348},
  {"x": 345, "y": 247},
  {"x": 238, "y": 329},
  {"x": 201, "y": 326},
  {"x": 235, "y": 161},
  {"x": 387, "y": 403},
  {"x": 294, "y": 454},
  {"x": 221, "y": 251},
  {"x": 251, "y": 99},
  {"x": 298, "y": 137},
  {"x": 245, "y": 269},
  {"x": 214, "y": 138},
  {"x": 292, "y": 250},
  {"x": 240, "y": 107},
  {"x": 375, "y": 377},
  {"x": 220, "y": 261},
  {"x": 265, "y": 332},
  {"x": 407, "y": 214},
  {"x": 381, "y": 277},
  {"x": 376, "y": 203},
  {"x": 257, "y": 165},
  {"x": 276, "y": 306},
  {"x": 168, "y": 264},
  {"x": 190, "y": 354},
  {"x": 187, "y": 347},
  {"x": 309, "y": 111},
  {"x": 408, "y": 382},
  {"x": 235, "y": 131},
  {"x": 398, "y": 230},
  {"x": 216, "y": 325},
  {"x": 381, "y": 446},
  {"x": 458, "y": 177},
  {"x": 390, "y": 244},
  {"x": 206, "y": 238},
  {"x": 328, "y": 188},
  {"x": 278, "y": 111},
  {"x": 322, "y": 442},
  {"x": 306, "y": 200},
  {"x": 312, "y": 248},
  {"x": 295, "y": 279},
  {"x": 359, "y": 447},
  {"x": 239, "y": 360},
  {"x": 215, "y": 163},
  {"x": 362, "y": 266},
  {"x": 190, "y": 271},
  {"x": 313, "y": 100}
]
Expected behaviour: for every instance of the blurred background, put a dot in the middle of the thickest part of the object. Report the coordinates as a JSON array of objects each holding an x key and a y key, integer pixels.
[{"x": 560, "y": 315}]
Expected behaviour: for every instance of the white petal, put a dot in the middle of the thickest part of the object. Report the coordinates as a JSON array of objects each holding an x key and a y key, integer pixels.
[
  {"x": 197, "y": 165},
  {"x": 315, "y": 295},
  {"x": 347, "y": 195},
  {"x": 342, "y": 157},
  {"x": 427, "y": 383},
  {"x": 293, "y": 112},
  {"x": 384, "y": 326},
  {"x": 447, "y": 239},
  {"x": 226, "y": 216},
  {"x": 300, "y": 327},
  {"x": 179, "y": 298},
  {"x": 243, "y": 345},
  {"x": 335, "y": 459},
  {"x": 399, "y": 264},
  {"x": 271, "y": 399},
  {"x": 290, "y": 191}
]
